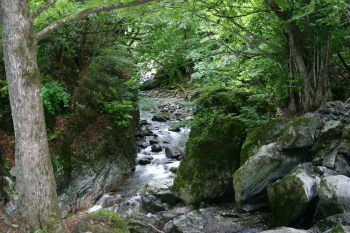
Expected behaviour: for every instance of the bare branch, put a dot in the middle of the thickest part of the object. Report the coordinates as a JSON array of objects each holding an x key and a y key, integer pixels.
[
  {"x": 81, "y": 14},
  {"x": 42, "y": 9}
]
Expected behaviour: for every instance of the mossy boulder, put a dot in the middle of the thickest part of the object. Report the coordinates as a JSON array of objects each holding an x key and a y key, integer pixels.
[
  {"x": 259, "y": 136},
  {"x": 269, "y": 164},
  {"x": 138, "y": 223},
  {"x": 335, "y": 223},
  {"x": 334, "y": 193},
  {"x": 212, "y": 155},
  {"x": 290, "y": 197},
  {"x": 102, "y": 221},
  {"x": 150, "y": 84},
  {"x": 300, "y": 133},
  {"x": 285, "y": 230}
]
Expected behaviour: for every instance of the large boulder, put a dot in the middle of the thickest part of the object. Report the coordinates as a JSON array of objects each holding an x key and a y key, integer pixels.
[
  {"x": 269, "y": 164},
  {"x": 334, "y": 193},
  {"x": 214, "y": 219},
  {"x": 158, "y": 194},
  {"x": 285, "y": 230},
  {"x": 93, "y": 161},
  {"x": 212, "y": 156},
  {"x": 173, "y": 152},
  {"x": 262, "y": 135},
  {"x": 336, "y": 223},
  {"x": 300, "y": 133},
  {"x": 290, "y": 197},
  {"x": 102, "y": 221}
]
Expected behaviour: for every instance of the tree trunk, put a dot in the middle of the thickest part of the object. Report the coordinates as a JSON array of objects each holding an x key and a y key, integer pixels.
[
  {"x": 308, "y": 70},
  {"x": 38, "y": 204}
]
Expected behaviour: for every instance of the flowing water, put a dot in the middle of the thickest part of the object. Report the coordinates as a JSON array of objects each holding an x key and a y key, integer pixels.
[{"x": 127, "y": 198}]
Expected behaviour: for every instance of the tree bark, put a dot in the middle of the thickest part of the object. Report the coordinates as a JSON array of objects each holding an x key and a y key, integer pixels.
[
  {"x": 308, "y": 61},
  {"x": 38, "y": 203},
  {"x": 308, "y": 70}
]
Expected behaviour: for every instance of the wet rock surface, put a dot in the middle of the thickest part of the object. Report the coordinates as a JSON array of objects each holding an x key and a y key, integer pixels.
[{"x": 319, "y": 186}]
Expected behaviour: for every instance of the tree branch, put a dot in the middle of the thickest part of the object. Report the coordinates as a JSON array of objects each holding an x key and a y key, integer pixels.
[
  {"x": 81, "y": 14},
  {"x": 42, "y": 9},
  {"x": 343, "y": 62}
]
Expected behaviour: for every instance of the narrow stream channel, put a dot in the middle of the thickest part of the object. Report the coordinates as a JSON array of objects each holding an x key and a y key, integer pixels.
[{"x": 127, "y": 198}]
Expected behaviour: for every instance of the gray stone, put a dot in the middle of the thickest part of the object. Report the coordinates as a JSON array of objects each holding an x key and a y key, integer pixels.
[
  {"x": 290, "y": 197},
  {"x": 334, "y": 193},
  {"x": 285, "y": 230},
  {"x": 346, "y": 132},
  {"x": 159, "y": 118},
  {"x": 332, "y": 222},
  {"x": 342, "y": 165},
  {"x": 329, "y": 159},
  {"x": 250, "y": 183},
  {"x": 156, "y": 148},
  {"x": 340, "y": 105},
  {"x": 331, "y": 129},
  {"x": 300, "y": 133},
  {"x": 157, "y": 192},
  {"x": 209, "y": 220},
  {"x": 173, "y": 152}
]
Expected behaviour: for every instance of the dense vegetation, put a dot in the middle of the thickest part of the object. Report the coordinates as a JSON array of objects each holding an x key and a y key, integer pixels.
[{"x": 278, "y": 57}]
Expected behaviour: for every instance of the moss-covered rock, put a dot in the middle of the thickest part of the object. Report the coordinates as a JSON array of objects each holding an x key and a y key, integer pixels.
[
  {"x": 138, "y": 223},
  {"x": 262, "y": 135},
  {"x": 285, "y": 230},
  {"x": 300, "y": 133},
  {"x": 150, "y": 84},
  {"x": 250, "y": 181},
  {"x": 335, "y": 223},
  {"x": 290, "y": 197},
  {"x": 334, "y": 193},
  {"x": 205, "y": 172},
  {"x": 102, "y": 221}
]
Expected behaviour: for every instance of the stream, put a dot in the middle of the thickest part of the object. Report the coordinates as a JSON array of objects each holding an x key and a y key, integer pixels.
[{"x": 127, "y": 198}]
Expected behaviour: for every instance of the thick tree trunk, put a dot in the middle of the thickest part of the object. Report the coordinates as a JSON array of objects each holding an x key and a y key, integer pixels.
[
  {"x": 38, "y": 204},
  {"x": 309, "y": 49},
  {"x": 308, "y": 70}
]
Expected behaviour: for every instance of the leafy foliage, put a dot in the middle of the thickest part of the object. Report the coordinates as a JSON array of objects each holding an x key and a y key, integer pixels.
[{"x": 55, "y": 97}]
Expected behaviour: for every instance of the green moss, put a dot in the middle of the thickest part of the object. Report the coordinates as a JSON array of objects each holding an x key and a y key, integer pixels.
[
  {"x": 338, "y": 229},
  {"x": 103, "y": 221},
  {"x": 288, "y": 134},
  {"x": 205, "y": 161},
  {"x": 259, "y": 136}
]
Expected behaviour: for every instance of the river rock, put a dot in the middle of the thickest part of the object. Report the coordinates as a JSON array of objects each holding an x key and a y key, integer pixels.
[
  {"x": 334, "y": 193},
  {"x": 159, "y": 118},
  {"x": 331, "y": 129},
  {"x": 300, "y": 133},
  {"x": 145, "y": 131},
  {"x": 250, "y": 181},
  {"x": 150, "y": 84},
  {"x": 285, "y": 230},
  {"x": 262, "y": 135},
  {"x": 145, "y": 161},
  {"x": 158, "y": 192},
  {"x": 205, "y": 173},
  {"x": 290, "y": 197},
  {"x": 102, "y": 221},
  {"x": 337, "y": 223},
  {"x": 172, "y": 152},
  {"x": 138, "y": 223},
  {"x": 209, "y": 220},
  {"x": 156, "y": 148}
]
